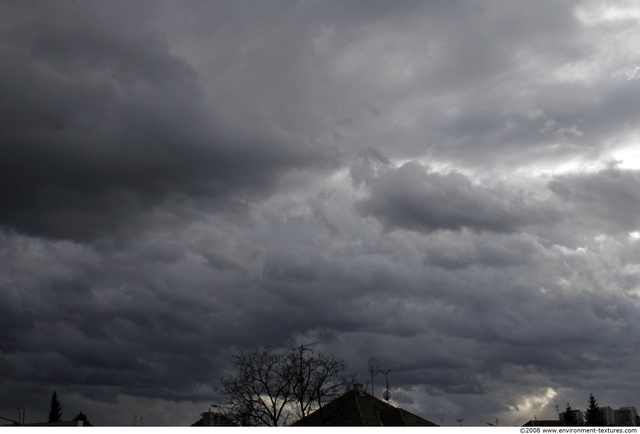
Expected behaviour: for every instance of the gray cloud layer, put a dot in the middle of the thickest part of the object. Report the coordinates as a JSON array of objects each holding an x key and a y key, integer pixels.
[
  {"x": 412, "y": 197},
  {"x": 449, "y": 186}
]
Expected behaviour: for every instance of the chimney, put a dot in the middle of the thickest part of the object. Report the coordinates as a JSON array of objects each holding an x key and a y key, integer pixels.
[{"x": 358, "y": 388}]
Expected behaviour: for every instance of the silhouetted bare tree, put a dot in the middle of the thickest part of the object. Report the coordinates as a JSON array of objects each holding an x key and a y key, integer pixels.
[
  {"x": 315, "y": 378},
  {"x": 271, "y": 388}
]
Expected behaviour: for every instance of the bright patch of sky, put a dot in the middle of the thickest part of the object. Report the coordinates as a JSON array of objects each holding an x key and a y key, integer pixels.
[
  {"x": 597, "y": 14},
  {"x": 531, "y": 405},
  {"x": 628, "y": 156}
]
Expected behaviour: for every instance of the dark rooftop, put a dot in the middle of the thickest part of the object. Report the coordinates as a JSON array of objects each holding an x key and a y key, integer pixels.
[{"x": 357, "y": 408}]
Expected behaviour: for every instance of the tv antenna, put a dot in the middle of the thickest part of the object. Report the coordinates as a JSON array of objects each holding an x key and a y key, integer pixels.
[{"x": 373, "y": 367}]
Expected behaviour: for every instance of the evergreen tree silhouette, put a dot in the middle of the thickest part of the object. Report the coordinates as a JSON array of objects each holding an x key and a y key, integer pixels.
[
  {"x": 55, "y": 413},
  {"x": 593, "y": 415},
  {"x": 570, "y": 417}
]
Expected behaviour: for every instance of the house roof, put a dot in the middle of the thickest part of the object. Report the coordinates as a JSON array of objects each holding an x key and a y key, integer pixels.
[
  {"x": 545, "y": 423},
  {"x": 357, "y": 408},
  {"x": 59, "y": 423}
]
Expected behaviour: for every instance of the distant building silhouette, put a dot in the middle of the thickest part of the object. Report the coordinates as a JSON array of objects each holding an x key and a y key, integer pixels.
[
  {"x": 625, "y": 416},
  {"x": 608, "y": 414},
  {"x": 210, "y": 418}
]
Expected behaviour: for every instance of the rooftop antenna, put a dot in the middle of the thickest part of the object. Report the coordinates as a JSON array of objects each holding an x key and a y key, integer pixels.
[
  {"x": 373, "y": 367},
  {"x": 387, "y": 393},
  {"x": 490, "y": 424}
]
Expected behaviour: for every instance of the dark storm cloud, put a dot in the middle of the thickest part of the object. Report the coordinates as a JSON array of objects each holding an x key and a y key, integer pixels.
[
  {"x": 413, "y": 197},
  {"x": 102, "y": 122},
  {"x": 85, "y": 325}
]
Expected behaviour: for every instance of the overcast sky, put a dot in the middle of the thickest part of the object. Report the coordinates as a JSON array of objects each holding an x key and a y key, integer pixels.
[{"x": 451, "y": 186}]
